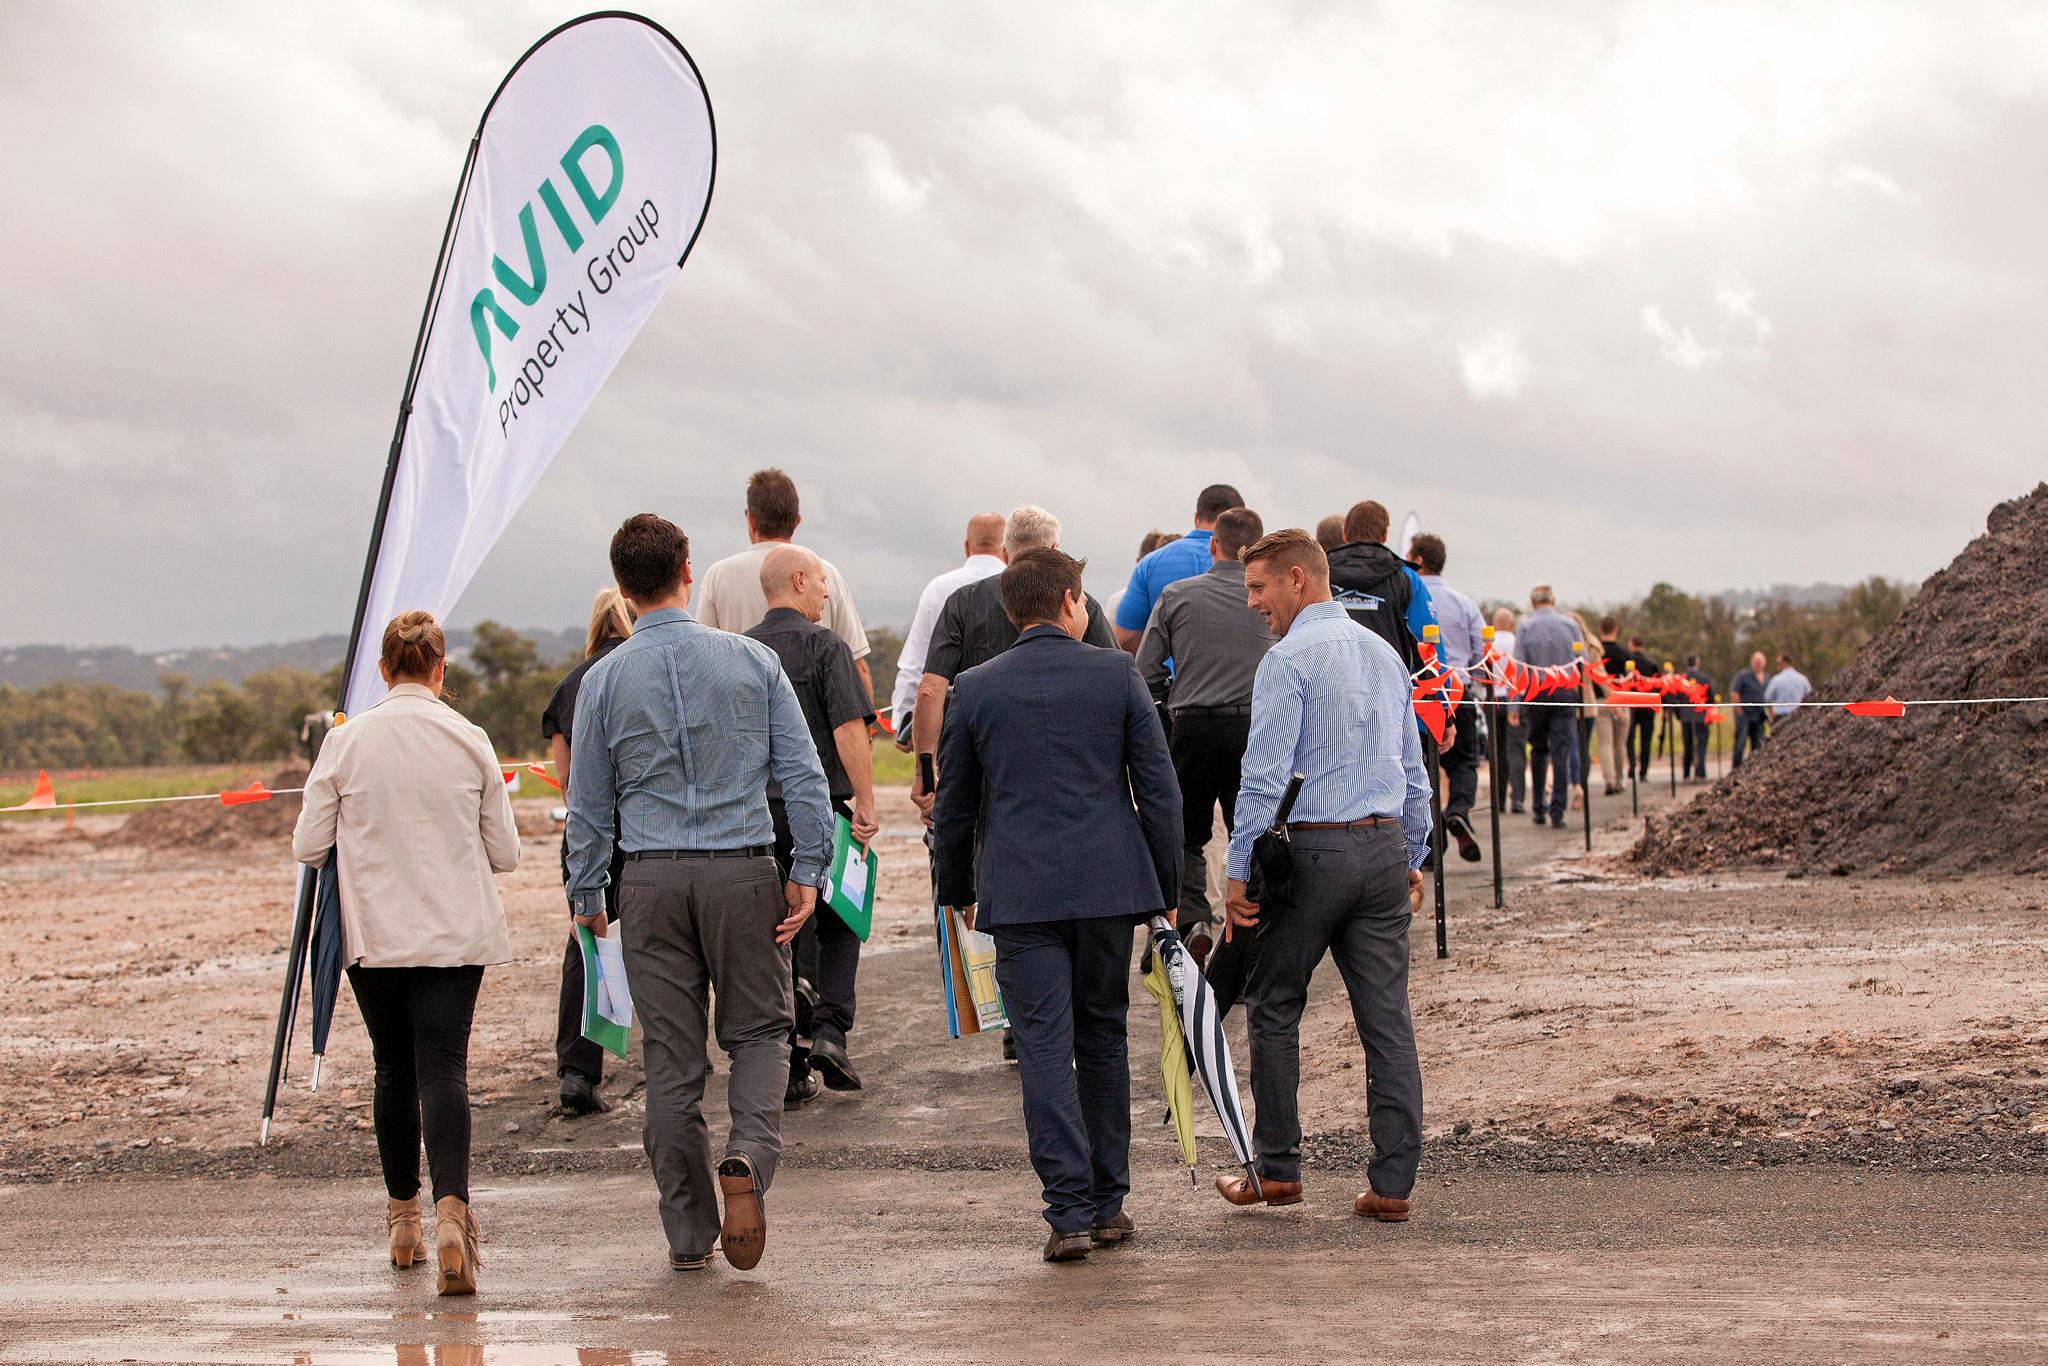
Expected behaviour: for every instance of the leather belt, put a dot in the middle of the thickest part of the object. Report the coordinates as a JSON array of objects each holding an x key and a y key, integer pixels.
[
  {"x": 751, "y": 851},
  {"x": 1360, "y": 824},
  {"x": 1211, "y": 711}
]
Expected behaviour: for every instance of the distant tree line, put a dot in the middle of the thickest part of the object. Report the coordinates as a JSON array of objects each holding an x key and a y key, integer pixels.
[
  {"x": 1820, "y": 637},
  {"x": 502, "y": 683}
]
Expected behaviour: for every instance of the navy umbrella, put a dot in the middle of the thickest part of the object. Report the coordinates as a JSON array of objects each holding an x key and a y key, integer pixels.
[{"x": 326, "y": 958}]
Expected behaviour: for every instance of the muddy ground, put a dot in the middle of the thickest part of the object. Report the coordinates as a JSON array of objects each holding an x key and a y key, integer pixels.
[
  {"x": 1599, "y": 1020},
  {"x": 1730, "y": 1119}
]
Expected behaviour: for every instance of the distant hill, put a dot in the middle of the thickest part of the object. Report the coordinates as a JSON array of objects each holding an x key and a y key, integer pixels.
[{"x": 31, "y": 666}]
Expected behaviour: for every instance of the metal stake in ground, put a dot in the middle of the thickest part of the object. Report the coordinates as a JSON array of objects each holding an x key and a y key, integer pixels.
[
  {"x": 1438, "y": 851},
  {"x": 1498, "y": 792}
]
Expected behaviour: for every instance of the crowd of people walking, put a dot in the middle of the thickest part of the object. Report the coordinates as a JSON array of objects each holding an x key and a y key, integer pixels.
[{"x": 1082, "y": 759}]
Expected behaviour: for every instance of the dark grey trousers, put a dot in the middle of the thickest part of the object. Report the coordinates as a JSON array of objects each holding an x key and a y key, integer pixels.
[
  {"x": 694, "y": 928},
  {"x": 1066, "y": 987},
  {"x": 1350, "y": 898}
]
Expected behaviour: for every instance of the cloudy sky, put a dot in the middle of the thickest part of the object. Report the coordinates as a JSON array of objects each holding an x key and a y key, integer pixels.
[{"x": 1606, "y": 293}]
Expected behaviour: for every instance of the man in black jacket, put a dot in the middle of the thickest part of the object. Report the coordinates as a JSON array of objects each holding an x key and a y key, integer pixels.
[
  {"x": 1381, "y": 591},
  {"x": 1052, "y": 755}
]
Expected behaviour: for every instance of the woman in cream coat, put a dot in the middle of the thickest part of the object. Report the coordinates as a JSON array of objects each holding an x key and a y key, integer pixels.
[{"x": 409, "y": 799}]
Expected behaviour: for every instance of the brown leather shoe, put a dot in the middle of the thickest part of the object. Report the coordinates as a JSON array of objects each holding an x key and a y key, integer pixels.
[
  {"x": 743, "y": 1237},
  {"x": 1067, "y": 1247},
  {"x": 1384, "y": 1208},
  {"x": 1114, "y": 1232},
  {"x": 1239, "y": 1190}
]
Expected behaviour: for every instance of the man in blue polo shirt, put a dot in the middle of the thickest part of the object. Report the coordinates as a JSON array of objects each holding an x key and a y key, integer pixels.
[{"x": 1172, "y": 562}]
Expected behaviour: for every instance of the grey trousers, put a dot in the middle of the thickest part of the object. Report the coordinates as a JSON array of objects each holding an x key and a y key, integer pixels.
[
  {"x": 1350, "y": 898},
  {"x": 694, "y": 927}
]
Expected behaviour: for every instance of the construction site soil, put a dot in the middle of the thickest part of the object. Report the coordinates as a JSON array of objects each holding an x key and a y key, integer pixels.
[
  {"x": 1943, "y": 789},
  {"x": 1599, "y": 1021}
]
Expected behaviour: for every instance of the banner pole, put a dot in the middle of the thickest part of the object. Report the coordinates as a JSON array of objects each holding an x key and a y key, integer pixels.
[
  {"x": 302, "y": 916},
  {"x": 1671, "y": 750}
]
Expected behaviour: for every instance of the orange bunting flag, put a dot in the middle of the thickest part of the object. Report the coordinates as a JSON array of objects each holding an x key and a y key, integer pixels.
[
  {"x": 1713, "y": 716},
  {"x": 541, "y": 773},
  {"x": 1890, "y": 706},
  {"x": 1619, "y": 698},
  {"x": 510, "y": 775},
  {"x": 1431, "y": 714},
  {"x": 885, "y": 725},
  {"x": 254, "y": 792},
  {"x": 44, "y": 798}
]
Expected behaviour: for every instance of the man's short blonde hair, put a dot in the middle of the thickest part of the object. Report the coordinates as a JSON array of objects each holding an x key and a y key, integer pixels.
[
  {"x": 1031, "y": 528},
  {"x": 1290, "y": 549}
]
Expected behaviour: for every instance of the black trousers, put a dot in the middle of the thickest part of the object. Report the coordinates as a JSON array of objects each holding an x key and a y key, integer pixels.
[
  {"x": 1553, "y": 754},
  {"x": 1642, "y": 740},
  {"x": 1513, "y": 784},
  {"x": 1208, "y": 758},
  {"x": 1461, "y": 764},
  {"x": 1066, "y": 986},
  {"x": 1207, "y": 746},
  {"x": 573, "y": 1052},
  {"x": 1749, "y": 732},
  {"x": 419, "y": 1021},
  {"x": 826, "y": 954},
  {"x": 1693, "y": 732}
]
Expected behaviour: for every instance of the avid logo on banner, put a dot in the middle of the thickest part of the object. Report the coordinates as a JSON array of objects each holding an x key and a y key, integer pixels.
[{"x": 525, "y": 285}]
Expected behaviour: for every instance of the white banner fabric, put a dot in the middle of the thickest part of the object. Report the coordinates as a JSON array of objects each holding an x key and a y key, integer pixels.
[{"x": 592, "y": 174}]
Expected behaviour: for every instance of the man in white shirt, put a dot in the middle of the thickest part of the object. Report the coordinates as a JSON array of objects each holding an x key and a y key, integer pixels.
[
  {"x": 729, "y": 598},
  {"x": 984, "y": 550},
  {"x": 1786, "y": 690}
]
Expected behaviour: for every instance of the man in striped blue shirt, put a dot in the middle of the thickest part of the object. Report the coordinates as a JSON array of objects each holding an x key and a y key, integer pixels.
[{"x": 1331, "y": 702}]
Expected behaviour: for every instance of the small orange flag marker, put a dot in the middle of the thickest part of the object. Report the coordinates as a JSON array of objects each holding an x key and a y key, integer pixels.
[{"x": 44, "y": 798}]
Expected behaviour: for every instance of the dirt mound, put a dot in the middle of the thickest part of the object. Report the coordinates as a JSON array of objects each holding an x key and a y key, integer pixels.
[
  {"x": 205, "y": 826},
  {"x": 1941, "y": 789}
]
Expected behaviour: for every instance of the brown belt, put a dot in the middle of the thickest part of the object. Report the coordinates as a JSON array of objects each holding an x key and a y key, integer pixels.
[{"x": 1359, "y": 824}]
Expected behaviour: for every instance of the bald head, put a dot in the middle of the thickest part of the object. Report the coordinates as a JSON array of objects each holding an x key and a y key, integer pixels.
[
  {"x": 1503, "y": 619},
  {"x": 792, "y": 576},
  {"x": 985, "y": 534}
]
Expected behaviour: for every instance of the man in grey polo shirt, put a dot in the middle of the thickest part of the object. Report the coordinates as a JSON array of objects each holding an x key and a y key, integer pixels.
[
  {"x": 679, "y": 730},
  {"x": 1214, "y": 641},
  {"x": 1546, "y": 639}
]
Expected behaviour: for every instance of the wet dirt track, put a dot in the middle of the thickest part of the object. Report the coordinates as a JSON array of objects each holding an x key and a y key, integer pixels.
[{"x": 1811, "y": 1265}]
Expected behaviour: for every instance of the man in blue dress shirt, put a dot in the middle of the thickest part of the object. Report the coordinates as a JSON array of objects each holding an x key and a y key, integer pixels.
[
  {"x": 1331, "y": 702},
  {"x": 678, "y": 732},
  {"x": 1170, "y": 563}
]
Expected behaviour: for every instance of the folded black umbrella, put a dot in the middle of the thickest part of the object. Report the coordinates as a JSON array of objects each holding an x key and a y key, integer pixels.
[{"x": 1270, "y": 878}]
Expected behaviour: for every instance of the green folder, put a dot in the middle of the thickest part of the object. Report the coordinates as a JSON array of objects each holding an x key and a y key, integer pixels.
[
  {"x": 606, "y": 1033},
  {"x": 850, "y": 882}
]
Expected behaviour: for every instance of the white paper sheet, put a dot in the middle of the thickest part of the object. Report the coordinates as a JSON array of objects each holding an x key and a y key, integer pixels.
[
  {"x": 853, "y": 879},
  {"x": 614, "y": 999}
]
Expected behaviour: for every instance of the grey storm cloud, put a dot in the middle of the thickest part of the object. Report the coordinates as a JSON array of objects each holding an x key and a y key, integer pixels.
[{"x": 1718, "y": 294}]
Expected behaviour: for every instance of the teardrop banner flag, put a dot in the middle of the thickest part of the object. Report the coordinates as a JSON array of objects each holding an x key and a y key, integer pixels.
[
  {"x": 582, "y": 193},
  {"x": 587, "y": 182}
]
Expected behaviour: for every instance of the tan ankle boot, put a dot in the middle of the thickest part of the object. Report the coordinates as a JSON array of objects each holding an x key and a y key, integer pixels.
[
  {"x": 456, "y": 1239},
  {"x": 402, "y": 1217}
]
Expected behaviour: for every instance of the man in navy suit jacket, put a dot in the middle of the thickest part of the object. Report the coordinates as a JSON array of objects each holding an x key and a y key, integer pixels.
[{"x": 1053, "y": 756}]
